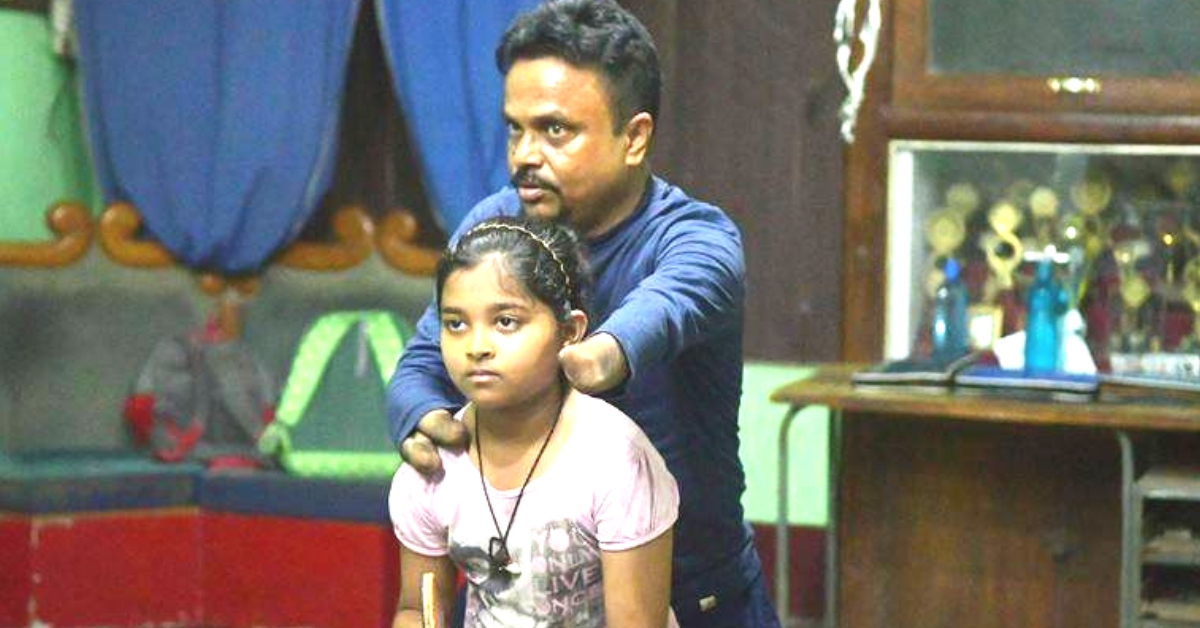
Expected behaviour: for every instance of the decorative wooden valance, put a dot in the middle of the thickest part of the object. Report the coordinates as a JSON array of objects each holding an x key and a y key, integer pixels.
[
  {"x": 71, "y": 223},
  {"x": 355, "y": 237},
  {"x": 397, "y": 242}
]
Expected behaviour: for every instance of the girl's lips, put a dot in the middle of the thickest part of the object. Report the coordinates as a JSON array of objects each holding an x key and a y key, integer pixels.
[{"x": 483, "y": 376}]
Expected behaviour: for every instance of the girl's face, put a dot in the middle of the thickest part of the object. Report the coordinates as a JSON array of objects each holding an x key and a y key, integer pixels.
[{"x": 500, "y": 345}]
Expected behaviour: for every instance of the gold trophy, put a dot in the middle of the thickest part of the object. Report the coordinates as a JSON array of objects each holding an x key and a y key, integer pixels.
[
  {"x": 1191, "y": 295},
  {"x": 962, "y": 198},
  {"x": 1134, "y": 291},
  {"x": 1005, "y": 219},
  {"x": 1092, "y": 196},
  {"x": 945, "y": 230},
  {"x": 1043, "y": 207}
]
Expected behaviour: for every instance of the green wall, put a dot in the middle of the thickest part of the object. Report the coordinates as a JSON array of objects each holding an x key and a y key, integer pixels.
[
  {"x": 808, "y": 449},
  {"x": 42, "y": 155}
]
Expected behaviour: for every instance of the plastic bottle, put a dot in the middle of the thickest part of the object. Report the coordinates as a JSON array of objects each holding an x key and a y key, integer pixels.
[
  {"x": 948, "y": 336},
  {"x": 1045, "y": 304}
]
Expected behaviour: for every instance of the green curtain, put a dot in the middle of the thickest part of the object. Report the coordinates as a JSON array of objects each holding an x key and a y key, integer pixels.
[{"x": 42, "y": 156}]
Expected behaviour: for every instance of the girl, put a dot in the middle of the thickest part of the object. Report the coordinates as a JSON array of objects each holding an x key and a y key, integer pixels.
[{"x": 560, "y": 511}]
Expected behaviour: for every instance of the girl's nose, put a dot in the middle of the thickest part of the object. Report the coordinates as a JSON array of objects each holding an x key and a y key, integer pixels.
[{"x": 479, "y": 348}]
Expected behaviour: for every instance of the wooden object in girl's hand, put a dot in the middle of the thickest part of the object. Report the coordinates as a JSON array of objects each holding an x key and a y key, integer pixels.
[{"x": 431, "y": 609}]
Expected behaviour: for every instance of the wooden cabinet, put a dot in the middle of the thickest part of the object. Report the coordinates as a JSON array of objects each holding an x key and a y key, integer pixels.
[
  {"x": 985, "y": 71},
  {"x": 1031, "y": 55}
]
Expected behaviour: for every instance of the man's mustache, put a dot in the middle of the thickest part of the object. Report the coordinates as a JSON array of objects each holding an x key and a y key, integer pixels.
[{"x": 527, "y": 177}]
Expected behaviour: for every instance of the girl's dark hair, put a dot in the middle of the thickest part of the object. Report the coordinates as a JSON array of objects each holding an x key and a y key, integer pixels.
[
  {"x": 592, "y": 34},
  {"x": 546, "y": 258}
]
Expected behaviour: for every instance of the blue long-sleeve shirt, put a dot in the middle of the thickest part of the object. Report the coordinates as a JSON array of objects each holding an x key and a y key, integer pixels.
[{"x": 668, "y": 284}]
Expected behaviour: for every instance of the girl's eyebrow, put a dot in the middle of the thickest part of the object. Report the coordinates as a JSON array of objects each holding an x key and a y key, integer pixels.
[{"x": 500, "y": 306}]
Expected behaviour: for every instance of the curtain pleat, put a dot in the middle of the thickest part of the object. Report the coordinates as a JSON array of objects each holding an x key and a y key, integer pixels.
[
  {"x": 442, "y": 59},
  {"x": 217, "y": 119}
]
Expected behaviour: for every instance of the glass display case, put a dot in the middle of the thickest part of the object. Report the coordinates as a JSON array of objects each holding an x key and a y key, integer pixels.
[{"x": 1119, "y": 223}]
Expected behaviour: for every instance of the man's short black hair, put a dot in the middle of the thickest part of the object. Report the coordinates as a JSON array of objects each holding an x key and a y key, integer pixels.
[{"x": 592, "y": 34}]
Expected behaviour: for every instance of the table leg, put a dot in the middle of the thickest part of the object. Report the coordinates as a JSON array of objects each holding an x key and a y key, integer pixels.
[
  {"x": 831, "y": 518},
  {"x": 782, "y": 537},
  {"x": 1130, "y": 589},
  {"x": 782, "y": 524}
]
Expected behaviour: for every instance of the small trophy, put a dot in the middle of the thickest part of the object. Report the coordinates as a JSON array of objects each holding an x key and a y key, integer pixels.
[
  {"x": 1134, "y": 290},
  {"x": 945, "y": 231},
  {"x": 1043, "y": 207},
  {"x": 963, "y": 198},
  {"x": 1092, "y": 196},
  {"x": 1191, "y": 295},
  {"x": 1002, "y": 247}
]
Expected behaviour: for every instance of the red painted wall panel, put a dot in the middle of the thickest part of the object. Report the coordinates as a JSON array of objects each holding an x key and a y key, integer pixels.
[
  {"x": 15, "y": 583},
  {"x": 806, "y": 577},
  {"x": 183, "y": 568},
  {"x": 123, "y": 569},
  {"x": 274, "y": 571}
]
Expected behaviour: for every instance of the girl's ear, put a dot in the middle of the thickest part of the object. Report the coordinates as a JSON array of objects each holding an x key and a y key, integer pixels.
[{"x": 575, "y": 327}]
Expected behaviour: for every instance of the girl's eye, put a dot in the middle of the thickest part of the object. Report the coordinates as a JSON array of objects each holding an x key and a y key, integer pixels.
[
  {"x": 453, "y": 325},
  {"x": 507, "y": 323}
]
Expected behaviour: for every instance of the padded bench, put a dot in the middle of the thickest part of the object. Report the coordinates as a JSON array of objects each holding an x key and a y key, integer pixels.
[{"x": 107, "y": 540}]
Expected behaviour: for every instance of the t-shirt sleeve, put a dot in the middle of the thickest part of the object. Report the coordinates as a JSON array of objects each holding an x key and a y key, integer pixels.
[
  {"x": 637, "y": 500},
  {"x": 414, "y": 519}
]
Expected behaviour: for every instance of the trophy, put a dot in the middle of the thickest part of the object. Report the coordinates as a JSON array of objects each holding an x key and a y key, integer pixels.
[
  {"x": 945, "y": 230},
  {"x": 1043, "y": 208},
  {"x": 963, "y": 198},
  {"x": 1002, "y": 248},
  {"x": 1191, "y": 295},
  {"x": 1091, "y": 197},
  {"x": 1180, "y": 176},
  {"x": 1134, "y": 291}
]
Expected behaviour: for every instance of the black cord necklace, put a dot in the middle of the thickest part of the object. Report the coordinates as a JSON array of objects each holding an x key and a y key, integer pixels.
[{"x": 500, "y": 562}]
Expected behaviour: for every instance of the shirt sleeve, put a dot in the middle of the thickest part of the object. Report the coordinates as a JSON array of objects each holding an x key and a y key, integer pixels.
[
  {"x": 697, "y": 286},
  {"x": 420, "y": 383},
  {"x": 638, "y": 500},
  {"x": 414, "y": 522}
]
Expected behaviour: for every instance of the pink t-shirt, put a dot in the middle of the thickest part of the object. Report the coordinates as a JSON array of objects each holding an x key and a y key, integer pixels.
[{"x": 607, "y": 489}]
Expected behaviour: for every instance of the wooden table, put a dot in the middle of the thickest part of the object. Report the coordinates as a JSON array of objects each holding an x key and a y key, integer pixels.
[{"x": 976, "y": 510}]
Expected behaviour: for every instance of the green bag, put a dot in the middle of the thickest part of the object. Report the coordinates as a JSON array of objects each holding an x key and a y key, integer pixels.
[{"x": 331, "y": 421}]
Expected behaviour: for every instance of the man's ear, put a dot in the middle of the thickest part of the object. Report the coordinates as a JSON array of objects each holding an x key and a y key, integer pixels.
[
  {"x": 575, "y": 327},
  {"x": 639, "y": 131}
]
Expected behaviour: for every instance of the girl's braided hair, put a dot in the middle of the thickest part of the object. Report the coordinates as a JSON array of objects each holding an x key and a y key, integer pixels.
[{"x": 546, "y": 258}]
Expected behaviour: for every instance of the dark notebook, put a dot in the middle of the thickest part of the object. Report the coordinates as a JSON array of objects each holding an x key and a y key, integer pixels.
[
  {"x": 1045, "y": 386},
  {"x": 917, "y": 374}
]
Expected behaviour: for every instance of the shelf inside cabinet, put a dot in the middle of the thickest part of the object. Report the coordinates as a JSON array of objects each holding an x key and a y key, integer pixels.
[
  {"x": 1182, "y": 550},
  {"x": 1158, "y": 623},
  {"x": 1171, "y": 612},
  {"x": 1170, "y": 483}
]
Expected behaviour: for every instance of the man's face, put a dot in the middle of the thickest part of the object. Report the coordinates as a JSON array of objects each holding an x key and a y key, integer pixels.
[{"x": 567, "y": 161}]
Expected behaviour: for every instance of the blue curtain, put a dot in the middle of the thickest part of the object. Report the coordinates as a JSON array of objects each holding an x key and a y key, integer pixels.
[
  {"x": 442, "y": 57},
  {"x": 217, "y": 119}
]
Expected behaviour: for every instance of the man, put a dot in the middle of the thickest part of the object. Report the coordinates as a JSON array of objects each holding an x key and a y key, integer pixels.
[{"x": 581, "y": 97}]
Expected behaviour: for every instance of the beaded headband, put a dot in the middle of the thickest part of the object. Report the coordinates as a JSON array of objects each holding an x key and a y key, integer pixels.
[{"x": 499, "y": 226}]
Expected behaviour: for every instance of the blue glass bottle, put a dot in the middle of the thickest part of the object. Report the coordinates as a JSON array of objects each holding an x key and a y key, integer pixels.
[
  {"x": 1044, "y": 305},
  {"x": 948, "y": 335}
]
